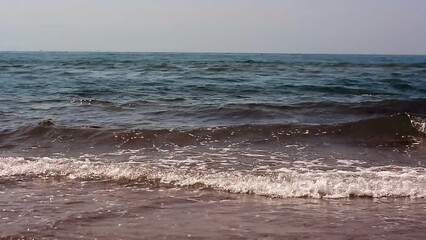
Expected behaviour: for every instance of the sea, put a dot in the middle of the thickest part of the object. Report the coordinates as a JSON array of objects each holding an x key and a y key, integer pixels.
[{"x": 99, "y": 145}]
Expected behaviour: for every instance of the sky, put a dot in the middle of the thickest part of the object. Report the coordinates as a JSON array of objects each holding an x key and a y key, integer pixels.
[{"x": 277, "y": 26}]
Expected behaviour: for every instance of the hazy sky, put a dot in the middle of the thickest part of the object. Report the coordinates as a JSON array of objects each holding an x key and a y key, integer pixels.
[{"x": 288, "y": 26}]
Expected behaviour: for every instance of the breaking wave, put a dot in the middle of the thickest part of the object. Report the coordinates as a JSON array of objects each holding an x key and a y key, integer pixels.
[{"x": 374, "y": 182}]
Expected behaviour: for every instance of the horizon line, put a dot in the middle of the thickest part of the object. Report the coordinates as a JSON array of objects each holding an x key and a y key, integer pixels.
[{"x": 208, "y": 52}]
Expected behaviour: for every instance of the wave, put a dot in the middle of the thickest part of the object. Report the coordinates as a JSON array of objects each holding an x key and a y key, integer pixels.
[
  {"x": 273, "y": 111},
  {"x": 390, "y": 106},
  {"x": 400, "y": 129},
  {"x": 257, "y": 110},
  {"x": 261, "y": 113},
  {"x": 375, "y": 182}
]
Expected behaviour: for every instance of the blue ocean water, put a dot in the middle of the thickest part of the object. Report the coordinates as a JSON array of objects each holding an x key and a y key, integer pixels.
[
  {"x": 77, "y": 103},
  {"x": 189, "y": 90}
]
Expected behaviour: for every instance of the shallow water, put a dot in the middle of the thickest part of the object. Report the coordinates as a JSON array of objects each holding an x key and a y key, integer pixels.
[
  {"x": 138, "y": 145},
  {"x": 88, "y": 210}
]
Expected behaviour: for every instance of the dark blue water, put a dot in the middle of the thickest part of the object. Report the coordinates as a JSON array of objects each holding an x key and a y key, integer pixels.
[{"x": 162, "y": 91}]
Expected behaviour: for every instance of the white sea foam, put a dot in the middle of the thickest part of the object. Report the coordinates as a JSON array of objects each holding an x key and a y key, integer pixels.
[
  {"x": 283, "y": 183},
  {"x": 347, "y": 162},
  {"x": 419, "y": 123}
]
